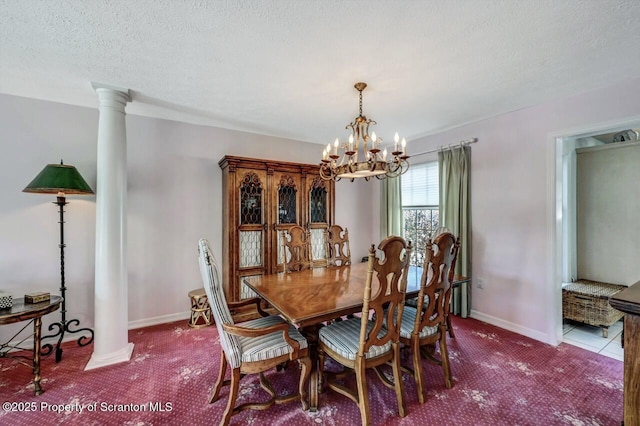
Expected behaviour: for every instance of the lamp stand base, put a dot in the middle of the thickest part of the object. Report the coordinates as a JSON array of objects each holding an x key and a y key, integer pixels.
[{"x": 65, "y": 327}]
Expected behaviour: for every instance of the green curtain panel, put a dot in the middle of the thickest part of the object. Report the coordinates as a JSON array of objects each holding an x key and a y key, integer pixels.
[
  {"x": 390, "y": 208},
  {"x": 454, "y": 167}
]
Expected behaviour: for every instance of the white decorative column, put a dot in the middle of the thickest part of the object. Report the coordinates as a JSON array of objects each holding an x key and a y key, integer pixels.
[{"x": 110, "y": 344}]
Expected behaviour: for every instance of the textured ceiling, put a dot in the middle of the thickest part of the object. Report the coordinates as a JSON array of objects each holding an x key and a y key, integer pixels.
[{"x": 287, "y": 67}]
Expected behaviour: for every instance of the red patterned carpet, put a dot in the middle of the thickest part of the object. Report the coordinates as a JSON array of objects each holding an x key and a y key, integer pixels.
[{"x": 500, "y": 378}]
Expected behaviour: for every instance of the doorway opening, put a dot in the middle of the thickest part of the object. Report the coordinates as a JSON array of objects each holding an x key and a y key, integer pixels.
[{"x": 572, "y": 250}]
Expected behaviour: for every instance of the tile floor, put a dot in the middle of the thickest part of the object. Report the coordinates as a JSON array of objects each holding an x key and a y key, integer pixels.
[{"x": 590, "y": 338}]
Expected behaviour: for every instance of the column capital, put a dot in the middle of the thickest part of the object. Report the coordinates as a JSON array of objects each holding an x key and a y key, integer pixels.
[{"x": 114, "y": 93}]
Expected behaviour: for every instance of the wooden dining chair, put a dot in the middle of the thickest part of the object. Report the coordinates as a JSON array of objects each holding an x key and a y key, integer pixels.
[
  {"x": 362, "y": 343},
  {"x": 296, "y": 249},
  {"x": 422, "y": 328},
  {"x": 250, "y": 347},
  {"x": 414, "y": 301},
  {"x": 337, "y": 241}
]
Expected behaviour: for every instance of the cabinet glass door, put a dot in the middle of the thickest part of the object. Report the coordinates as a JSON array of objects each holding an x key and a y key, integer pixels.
[
  {"x": 287, "y": 202},
  {"x": 251, "y": 229},
  {"x": 318, "y": 219}
]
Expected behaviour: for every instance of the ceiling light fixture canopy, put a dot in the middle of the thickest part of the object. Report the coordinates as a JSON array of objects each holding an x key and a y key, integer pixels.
[{"x": 362, "y": 156}]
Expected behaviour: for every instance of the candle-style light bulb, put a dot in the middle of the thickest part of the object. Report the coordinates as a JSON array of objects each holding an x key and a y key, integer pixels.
[
  {"x": 396, "y": 138},
  {"x": 374, "y": 138},
  {"x": 335, "y": 146},
  {"x": 384, "y": 155},
  {"x": 351, "y": 142},
  {"x": 404, "y": 146}
]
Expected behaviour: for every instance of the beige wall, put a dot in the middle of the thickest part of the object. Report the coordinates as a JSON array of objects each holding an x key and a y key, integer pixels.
[
  {"x": 608, "y": 206},
  {"x": 174, "y": 198},
  {"x": 514, "y": 203}
]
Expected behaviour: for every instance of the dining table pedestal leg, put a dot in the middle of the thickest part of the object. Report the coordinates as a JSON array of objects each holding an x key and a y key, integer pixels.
[{"x": 315, "y": 378}]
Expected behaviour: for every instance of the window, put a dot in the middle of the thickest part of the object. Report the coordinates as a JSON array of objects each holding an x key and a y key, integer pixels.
[{"x": 420, "y": 207}]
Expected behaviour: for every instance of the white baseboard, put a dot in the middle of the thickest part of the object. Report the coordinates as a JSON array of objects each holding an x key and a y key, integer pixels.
[
  {"x": 516, "y": 328},
  {"x": 159, "y": 320}
]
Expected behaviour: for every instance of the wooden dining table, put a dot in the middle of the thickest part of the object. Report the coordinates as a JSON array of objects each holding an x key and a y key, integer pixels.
[{"x": 310, "y": 297}]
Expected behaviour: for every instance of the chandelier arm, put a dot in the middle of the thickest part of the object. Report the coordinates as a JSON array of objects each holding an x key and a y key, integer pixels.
[
  {"x": 351, "y": 168},
  {"x": 372, "y": 165},
  {"x": 405, "y": 167},
  {"x": 322, "y": 173}
]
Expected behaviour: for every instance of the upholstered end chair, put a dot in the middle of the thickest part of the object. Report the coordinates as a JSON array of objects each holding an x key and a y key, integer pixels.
[{"x": 250, "y": 347}]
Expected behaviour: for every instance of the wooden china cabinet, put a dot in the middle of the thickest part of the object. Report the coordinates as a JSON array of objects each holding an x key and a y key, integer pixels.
[{"x": 261, "y": 200}]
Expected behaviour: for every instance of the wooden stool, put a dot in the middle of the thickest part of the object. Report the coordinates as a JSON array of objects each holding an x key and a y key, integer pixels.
[{"x": 200, "y": 309}]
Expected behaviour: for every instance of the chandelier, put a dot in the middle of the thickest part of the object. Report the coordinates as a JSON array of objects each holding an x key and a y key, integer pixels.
[{"x": 362, "y": 157}]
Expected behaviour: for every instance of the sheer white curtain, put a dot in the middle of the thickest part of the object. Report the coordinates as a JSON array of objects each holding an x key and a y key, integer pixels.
[
  {"x": 454, "y": 167},
  {"x": 390, "y": 208}
]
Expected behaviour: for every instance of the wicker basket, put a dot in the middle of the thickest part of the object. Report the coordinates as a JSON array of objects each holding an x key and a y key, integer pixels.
[{"x": 588, "y": 302}]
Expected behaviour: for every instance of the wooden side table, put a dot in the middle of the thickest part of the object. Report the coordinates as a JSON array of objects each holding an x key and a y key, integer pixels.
[
  {"x": 200, "y": 309},
  {"x": 21, "y": 311}
]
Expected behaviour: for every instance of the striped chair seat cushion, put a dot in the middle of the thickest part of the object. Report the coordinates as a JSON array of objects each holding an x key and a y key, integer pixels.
[
  {"x": 263, "y": 322},
  {"x": 408, "y": 319},
  {"x": 270, "y": 346},
  {"x": 414, "y": 302},
  {"x": 343, "y": 337}
]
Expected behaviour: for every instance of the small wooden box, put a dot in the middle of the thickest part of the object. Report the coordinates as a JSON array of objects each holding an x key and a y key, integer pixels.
[{"x": 36, "y": 297}]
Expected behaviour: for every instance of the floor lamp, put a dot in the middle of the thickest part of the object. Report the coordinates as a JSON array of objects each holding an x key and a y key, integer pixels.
[{"x": 61, "y": 179}]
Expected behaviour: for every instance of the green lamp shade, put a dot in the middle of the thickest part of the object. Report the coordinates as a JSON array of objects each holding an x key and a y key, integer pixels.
[{"x": 56, "y": 178}]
